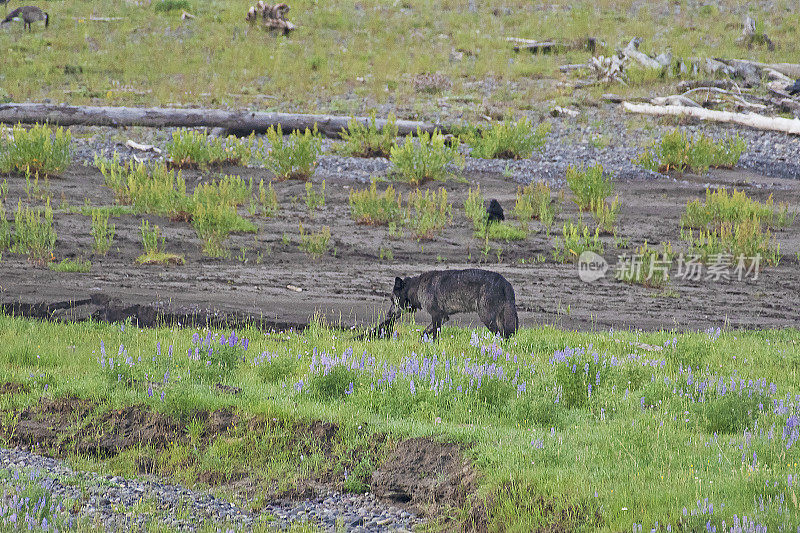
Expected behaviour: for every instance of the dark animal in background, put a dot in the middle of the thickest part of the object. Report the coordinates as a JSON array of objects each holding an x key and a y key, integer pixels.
[
  {"x": 794, "y": 88},
  {"x": 447, "y": 292},
  {"x": 495, "y": 211},
  {"x": 28, "y": 14}
]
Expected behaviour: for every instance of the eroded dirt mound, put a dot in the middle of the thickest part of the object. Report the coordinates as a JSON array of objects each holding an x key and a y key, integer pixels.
[{"x": 425, "y": 474}]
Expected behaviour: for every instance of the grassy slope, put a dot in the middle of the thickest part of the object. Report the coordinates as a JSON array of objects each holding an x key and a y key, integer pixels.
[
  {"x": 603, "y": 453},
  {"x": 347, "y": 56}
]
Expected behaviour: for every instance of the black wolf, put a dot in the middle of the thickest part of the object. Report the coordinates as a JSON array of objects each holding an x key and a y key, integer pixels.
[
  {"x": 495, "y": 212},
  {"x": 447, "y": 292}
]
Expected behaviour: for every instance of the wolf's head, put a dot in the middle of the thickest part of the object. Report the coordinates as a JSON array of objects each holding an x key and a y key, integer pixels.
[{"x": 400, "y": 299}]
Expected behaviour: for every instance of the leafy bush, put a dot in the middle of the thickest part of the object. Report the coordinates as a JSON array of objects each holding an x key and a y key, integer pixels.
[
  {"x": 367, "y": 206},
  {"x": 333, "y": 383},
  {"x": 292, "y": 158},
  {"x": 365, "y": 140},
  {"x": 214, "y": 214},
  {"x": 278, "y": 368},
  {"x": 576, "y": 240},
  {"x": 605, "y": 215},
  {"x": 507, "y": 140},
  {"x": 191, "y": 149},
  {"x": 37, "y": 150},
  {"x": 33, "y": 233},
  {"x": 721, "y": 207},
  {"x": 647, "y": 266},
  {"x": 5, "y": 228},
  {"x": 589, "y": 187},
  {"x": 102, "y": 232},
  {"x": 533, "y": 201},
  {"x": 268, "y": 199},
  {"x": 428, "y": 213},
  {"x": 744, "y": 239},
  {"x": 475, "y": 209},
  {"x": 148, "y": 188},
  {"x": 315, "y": 243},
  {"x": 314, "y": 199},
  {"x": 424, "y": 160},
  {"x": 153, "y": 244},
  {"x": 677, "y": 150}
]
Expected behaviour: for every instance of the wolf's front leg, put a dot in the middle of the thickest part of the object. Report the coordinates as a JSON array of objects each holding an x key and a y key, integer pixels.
[{"x": 432, "y": 331}]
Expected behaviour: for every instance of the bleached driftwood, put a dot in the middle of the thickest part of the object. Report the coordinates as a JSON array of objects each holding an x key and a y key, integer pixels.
[
  {"x": 674, "y": 100},
  {"x": 632, "y": 51},
  {"x": 558, "y": 111},
  {"x": 752, "y": 120},
  {"x": 239, "y": 122},
  {"x": 142, "y": 147}
]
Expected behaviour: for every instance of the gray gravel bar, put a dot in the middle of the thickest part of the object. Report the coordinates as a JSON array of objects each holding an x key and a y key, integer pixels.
[{"x": 120, "y": 504}]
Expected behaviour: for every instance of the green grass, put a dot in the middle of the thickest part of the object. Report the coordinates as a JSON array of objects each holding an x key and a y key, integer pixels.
[
  {"x": 646, "y": 441},
  {"x": 268, "y": 199},
  {"x": 315, "y": 199},
  {"x": 533, "y": 201},
  {"x": 507, "y": 140},
  {"x": 102, "y": 232},
  {"x": 71, "y": 265},
  {"x": 734, "y": 242},
  {"x": 37, "y": 150},
  {"x": 368, "y": 206},
  {"x": 680, "y": 151},
  {"x": 424, "y": 158}
]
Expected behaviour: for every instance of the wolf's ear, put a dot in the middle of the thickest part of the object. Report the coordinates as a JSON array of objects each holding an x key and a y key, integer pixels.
[{"x": 398, "y": 284}]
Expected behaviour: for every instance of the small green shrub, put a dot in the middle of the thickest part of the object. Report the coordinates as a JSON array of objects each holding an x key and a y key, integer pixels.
[
  {"x": 332, "y": 384},
  {"x": 578, "y": 377},
  {"x": 148, "y": 188},
  {"x": 677, "y": 150},
  {"x": 102, "y": 232},
  {"x": 314, "y": 199},
  {"x": 33, "y": 233},
  {"x": 71, "y": 265},
  {"x": 746, "y": 239},
  {"x": 367, "y": 206},
  {"x": 426, "y": 159},
  {"x": 589, "y": 187},
  {"x": 476, "y": 210},
  {"x": 576, "y": 240},
  {"x": 731, "y": 412},
  {"x": 5, "y": 228},
  {"x": 268, "y": 199},
  {"x": 721, "y": 207},
  {"x": 292, "y": 158},
  {"x": 193, "y": 149},
  {"x": 365, "y": 140},
  {"x": 278, "y": 369},
  {"x": 427, "y": 214},
  {"x": 164, "y": 6},
  {"x": 605, "y": 215},
  {"x": 38, "y": 150},
  {"x": 507, "y": 140},
  {"x": 315, "y": 243},
  {"x": 214, "y": 214},
  {"x": 647, "y": 266},
  {"x": 153, "y": 244},
  {"x": 533, "y": 201}
]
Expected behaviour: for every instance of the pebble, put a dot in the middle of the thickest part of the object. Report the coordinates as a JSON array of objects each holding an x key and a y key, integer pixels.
[{"x": 109, "y": 500}]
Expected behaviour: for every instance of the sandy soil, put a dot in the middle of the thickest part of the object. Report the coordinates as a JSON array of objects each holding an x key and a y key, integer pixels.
[{"x": 350, "y": 284}]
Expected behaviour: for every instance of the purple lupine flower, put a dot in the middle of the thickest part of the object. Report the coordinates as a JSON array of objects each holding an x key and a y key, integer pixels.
[{"x": 150, "y": 390}]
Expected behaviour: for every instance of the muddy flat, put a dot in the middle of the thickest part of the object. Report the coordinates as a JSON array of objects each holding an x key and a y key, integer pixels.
[{"x": 269, "y": 278}]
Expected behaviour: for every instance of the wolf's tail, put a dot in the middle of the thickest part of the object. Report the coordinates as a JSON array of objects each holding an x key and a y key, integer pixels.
[{"x": 508, "y": 320}]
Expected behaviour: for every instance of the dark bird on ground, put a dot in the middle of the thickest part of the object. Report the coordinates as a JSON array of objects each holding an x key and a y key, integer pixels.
[
  {"x": 495, "y": 211},
  {"x": 794, "y": 88},
  {"x": 28, "y": 14}
]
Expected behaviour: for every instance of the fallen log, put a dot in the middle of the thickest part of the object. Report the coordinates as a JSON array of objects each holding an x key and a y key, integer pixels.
[
  {"x": 235, "y": 122},
  {"x": 752, "y": 120}
]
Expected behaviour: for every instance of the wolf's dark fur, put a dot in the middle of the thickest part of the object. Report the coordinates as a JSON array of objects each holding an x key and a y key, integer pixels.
[
  {"x": 794, "y": 88},
  {"x": 495, "y": 211},
  {"x": 447, "y": 292}
]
